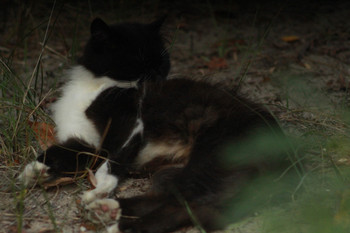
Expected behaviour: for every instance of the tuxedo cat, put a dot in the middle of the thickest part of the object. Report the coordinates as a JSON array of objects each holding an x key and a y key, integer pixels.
[
  {"x": 120, "y": 55},
  {"x": 117, "y": 55},
  {"x": 139, "y": 123}
]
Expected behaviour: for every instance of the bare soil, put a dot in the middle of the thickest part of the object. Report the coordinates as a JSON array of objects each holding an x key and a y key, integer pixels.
[{"x": 263, "y": 48}]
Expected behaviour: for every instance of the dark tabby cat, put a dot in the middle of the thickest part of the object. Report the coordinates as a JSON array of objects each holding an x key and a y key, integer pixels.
[{"x": 175, "y": 130}]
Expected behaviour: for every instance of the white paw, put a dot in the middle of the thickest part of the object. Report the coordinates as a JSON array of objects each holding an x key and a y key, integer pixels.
[
  {"x": 35, "y": 171},
  {"x": 104, "y": 211},
  {"x": 113, "y": 229},
  {"x": 106, "y": 183},
  {"x": 92, "y": 195}
]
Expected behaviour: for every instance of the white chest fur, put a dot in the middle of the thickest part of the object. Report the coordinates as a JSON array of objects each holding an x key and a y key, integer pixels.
[{"x": 77, "y": 95}]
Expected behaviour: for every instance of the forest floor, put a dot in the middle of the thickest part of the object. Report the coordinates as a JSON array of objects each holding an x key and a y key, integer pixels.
[{"x": 292, "y": 57}]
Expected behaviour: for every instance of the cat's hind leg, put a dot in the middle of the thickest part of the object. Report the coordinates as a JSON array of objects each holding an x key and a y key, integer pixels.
[
  {"x": 104, "y": 211},
  {"x": 168, "y": 216}
]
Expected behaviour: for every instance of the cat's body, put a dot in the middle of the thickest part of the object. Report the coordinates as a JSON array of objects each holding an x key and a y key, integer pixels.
[
  {"x": 186, "y": 126},
  {"x": 78, "y": 94},
  {"x": 175, "y": 130},
  {"x": 116, "y": 55}
]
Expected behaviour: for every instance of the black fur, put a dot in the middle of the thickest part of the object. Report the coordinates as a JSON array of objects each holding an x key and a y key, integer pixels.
[
  {"x": 74, "y": 155},
  {"x": 200, "y": 118},
  {"x": 195, "y": 118},
  {"x": 204, "y": 119},
  {"x": 129, "y": 51}
]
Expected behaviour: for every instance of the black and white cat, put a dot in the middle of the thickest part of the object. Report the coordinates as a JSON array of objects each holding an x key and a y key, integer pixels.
[
  {"x": 126, "y": 112},
  {"x": 120, "y": 55}
]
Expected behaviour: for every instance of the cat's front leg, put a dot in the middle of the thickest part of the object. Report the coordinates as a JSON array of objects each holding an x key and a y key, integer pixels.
[
  {"x": 67, "y": 159},
  {"x": 33, "y": 172},
  {"x": 118, "y": 166},
  {"x": 106, "y": 183}
]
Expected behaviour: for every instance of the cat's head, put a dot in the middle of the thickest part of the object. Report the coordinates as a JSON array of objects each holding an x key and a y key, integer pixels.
[{"x": 128, "y": 51}]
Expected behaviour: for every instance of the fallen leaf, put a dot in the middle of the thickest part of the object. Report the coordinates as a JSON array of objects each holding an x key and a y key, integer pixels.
[
  {"x": 266, "y": 79},
  {"x": 47, "y": 231},
  {"x": 92, "y": 179},
  {"x": 217, "y": 63},
  {"x": 78, "y": 201},
  {"x": 44, "y": 133},
  {"x": 231, "y": 42},
  {"x": 290, "y": 39},
  {"x": 307, "y": 66},
  {"x": 343, "y": 161},
  {"x": 60, "y": 181},
  {"x": 123, "y": 188}
]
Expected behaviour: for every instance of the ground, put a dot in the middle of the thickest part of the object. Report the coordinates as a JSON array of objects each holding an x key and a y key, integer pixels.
[{"x": 292, "y": 57}]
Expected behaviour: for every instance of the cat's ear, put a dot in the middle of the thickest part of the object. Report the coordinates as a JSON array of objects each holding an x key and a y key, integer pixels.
[
  {"x": 158, "y": 23},
  {"x": 99, "y": 29}
]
